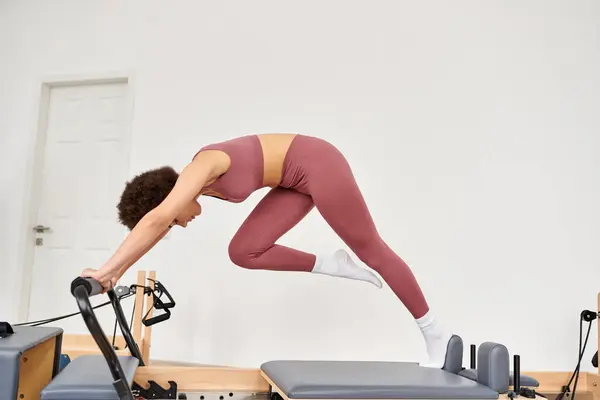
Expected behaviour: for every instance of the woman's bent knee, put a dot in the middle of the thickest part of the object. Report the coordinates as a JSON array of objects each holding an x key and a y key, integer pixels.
[{"x": 242, "y": 255}]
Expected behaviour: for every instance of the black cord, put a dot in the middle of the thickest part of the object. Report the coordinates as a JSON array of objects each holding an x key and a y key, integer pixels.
[
  {"x": 149, "y": 311},
  {"x": 49, "y": 320},
  {"x": 130, "y": 323},
  {"x": 581, "y": 349},
  {"x": 132, "y": 317},
  {"x": 114, "y": 334}
]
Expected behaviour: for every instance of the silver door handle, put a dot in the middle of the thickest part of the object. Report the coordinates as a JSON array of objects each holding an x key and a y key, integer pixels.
[{"x": 41, "y": 228}]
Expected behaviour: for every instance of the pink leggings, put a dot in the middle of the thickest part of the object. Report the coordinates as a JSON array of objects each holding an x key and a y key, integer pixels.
[{"x": 316, "y": 174}]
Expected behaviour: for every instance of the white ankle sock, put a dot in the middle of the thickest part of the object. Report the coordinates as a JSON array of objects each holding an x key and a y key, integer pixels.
[
  {"x": 436, "y": 340},
  {"x": 339, "y": 264}
]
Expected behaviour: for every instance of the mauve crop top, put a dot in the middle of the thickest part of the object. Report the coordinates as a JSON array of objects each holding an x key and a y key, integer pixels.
[{"x": 246, "y": 169}]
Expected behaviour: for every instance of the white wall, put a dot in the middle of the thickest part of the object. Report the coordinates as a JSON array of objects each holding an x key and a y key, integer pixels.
[{"x": 472, "y": 128}]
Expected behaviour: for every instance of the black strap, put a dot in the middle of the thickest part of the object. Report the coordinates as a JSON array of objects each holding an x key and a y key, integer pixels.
[{"x": 5, "y": 329}]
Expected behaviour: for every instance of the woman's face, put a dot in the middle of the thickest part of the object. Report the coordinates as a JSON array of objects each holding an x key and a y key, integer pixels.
[{"x": 191, "y": 211}]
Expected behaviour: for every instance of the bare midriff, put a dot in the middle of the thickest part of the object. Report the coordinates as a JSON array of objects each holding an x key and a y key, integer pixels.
[{"x": 275, "y": 147}]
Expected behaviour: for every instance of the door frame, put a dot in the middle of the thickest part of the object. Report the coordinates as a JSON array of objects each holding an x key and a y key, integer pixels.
[{"x": 35, "y": 162}]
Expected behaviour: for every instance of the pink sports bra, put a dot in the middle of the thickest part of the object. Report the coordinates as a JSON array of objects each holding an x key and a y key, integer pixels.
[{"x": 246, "y": 170}]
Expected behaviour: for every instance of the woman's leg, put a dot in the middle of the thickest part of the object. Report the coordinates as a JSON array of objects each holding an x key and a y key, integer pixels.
[
  {"x": 339, "y": 200},
  {"x": 253, "y": 246}
]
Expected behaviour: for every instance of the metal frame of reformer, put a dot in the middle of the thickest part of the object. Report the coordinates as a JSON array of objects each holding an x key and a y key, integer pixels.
[{"x": 226, "y": 380}]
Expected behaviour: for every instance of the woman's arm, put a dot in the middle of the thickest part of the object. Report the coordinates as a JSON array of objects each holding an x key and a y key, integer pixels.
[
  {"x": 206, "y": 166},
  {"x": 125, "y": 267}
]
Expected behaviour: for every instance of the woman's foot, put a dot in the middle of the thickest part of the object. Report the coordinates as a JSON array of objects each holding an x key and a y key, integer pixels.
[
  {"x": 340, "y": 264},
  {"x": 436, "y": 340}
]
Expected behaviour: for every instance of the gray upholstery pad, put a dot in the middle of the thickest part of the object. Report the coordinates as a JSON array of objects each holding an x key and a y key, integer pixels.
[
  {"x": 370, "y": 380},
  {"x": 88, "y": 377},
  {"x": 525, "y": 380},
  {"x": 454, "y": 355}
]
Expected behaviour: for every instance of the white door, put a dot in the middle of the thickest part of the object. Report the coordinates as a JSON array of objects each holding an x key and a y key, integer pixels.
[{"x": 85, "y": 166}]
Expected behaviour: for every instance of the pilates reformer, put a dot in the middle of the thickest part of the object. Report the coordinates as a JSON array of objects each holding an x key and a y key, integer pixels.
[{"x": 109, "y": 376}]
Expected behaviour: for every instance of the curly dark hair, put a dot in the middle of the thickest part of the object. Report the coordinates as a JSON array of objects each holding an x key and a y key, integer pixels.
[{"x": 143, "y": 193}]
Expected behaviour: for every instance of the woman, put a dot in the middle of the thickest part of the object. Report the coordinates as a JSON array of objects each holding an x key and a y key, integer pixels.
[{"x": 303, "y": 172}]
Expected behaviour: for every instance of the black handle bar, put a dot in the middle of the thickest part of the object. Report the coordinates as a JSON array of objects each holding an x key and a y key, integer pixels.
[
  {"x": 92, "y": 286},
  {"x": 82, "y": 289}
]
